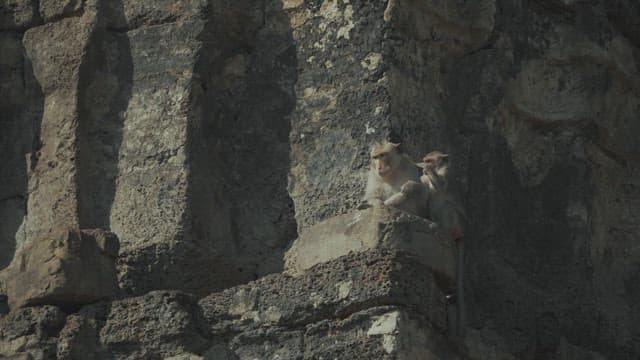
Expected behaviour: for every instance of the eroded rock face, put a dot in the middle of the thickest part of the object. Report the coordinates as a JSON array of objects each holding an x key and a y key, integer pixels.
[
  {"x": 175, "y": 123},
  {"x": 163, "y": 122},
  {"x": 534, "y": 103},
  {"x": 159, "y": 324},
  {"x": 67, "y": 268},
  {"x": 364, "y": 305},
  {"x": 31, "y": 333},
  {"x": 384, "y": 305}
]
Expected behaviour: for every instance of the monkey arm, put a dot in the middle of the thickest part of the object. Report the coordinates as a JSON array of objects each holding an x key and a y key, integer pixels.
[{"x": 396, "y": 199}]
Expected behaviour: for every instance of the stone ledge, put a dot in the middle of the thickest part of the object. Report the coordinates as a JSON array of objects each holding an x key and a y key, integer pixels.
[
  {"x": 358, "y": 281},
  {"x": 373, "y": 228},
  {"x": 375, "y": 304}
]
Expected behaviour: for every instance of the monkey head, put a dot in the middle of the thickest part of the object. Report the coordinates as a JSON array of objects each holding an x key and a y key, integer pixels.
[
  {"x": 385, "y": 158},
  {"x": 436, "y": 162}
]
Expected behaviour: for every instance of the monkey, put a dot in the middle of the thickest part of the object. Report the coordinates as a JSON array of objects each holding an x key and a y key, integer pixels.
[
  {"x": 443, "y": 209},
  {"x": 447, "y": 213},
  {"x": 390, "y": 170}
]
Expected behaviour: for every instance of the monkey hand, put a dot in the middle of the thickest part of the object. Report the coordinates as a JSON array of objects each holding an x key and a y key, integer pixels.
[
  {"x": 365, "y": 204},
  {"x": 410, "y": 187}
]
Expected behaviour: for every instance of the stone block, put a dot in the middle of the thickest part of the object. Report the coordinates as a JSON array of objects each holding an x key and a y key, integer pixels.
[
  {"x": 385, "y": 332},
  {"x": 374, "y": 228},
  {"x": 357, "y": 281},
  {"x": 67, "y": 268},
  {"x": 50, "y": 10},
  {"x": 159, "y": 325},
  {"x": 380, "y": 304}
]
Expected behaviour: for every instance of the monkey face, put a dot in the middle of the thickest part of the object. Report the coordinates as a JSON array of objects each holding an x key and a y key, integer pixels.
[
  {"x": 382, "y": 163},
  {"x": 384, "y": 158},
  {"x": 435, "y": 161}
]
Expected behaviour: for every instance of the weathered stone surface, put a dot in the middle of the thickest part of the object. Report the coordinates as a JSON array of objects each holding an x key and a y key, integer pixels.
[
  {"x": 67, "y": 268},
  {"x": 362, "y": 314},
  {"x": 206, "y": 224},
  {"x": 377, "y": 333},
  {"x": 534, "y": 105},
  {"x": 136, "y": 14},
  {"x": 160, "y": 324},
  {"x": 535, "y": 101},
  {"x": 30, "y": 333},
  {"x": 340, "y": 78},
  {"x": 21, "y": 107},
  {"x": 358, "y": 281},
  {"x": 374, "y": 228},
  {"x": 136, "y": 136},
  {"x": 53, "y": 197},
  {"x": 151, "y": 165},
  {"x": 54, "y": 9},
  {"x": 17, "y": 14}
]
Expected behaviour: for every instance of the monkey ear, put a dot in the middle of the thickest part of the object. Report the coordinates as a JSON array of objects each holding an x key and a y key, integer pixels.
[
  {"x": 421, "y": 165},
  {"x": 445, "y": 156}
]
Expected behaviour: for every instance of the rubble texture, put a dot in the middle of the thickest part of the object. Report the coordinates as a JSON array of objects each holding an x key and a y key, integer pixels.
[{"x": 207, "y": 134}]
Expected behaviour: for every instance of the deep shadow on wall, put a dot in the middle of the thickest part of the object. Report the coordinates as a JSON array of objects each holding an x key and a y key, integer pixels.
[
  {"x": 21, "y": 108},
  {"x": 238, "y": 139}
]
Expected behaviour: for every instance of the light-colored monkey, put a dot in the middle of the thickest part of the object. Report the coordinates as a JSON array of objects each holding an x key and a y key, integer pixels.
[
  {"x": 390, "y": 170},
  {"x": 446, "y": 212}
]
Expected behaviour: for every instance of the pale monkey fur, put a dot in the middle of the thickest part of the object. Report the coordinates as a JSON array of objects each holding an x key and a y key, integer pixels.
[{"x": 390, "y": 171}]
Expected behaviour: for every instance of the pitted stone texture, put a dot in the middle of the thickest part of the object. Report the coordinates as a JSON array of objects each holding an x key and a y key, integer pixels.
[
  {"x": 67, "y": 268},
  {"x": 149, "y": 200},
  {"x": 374, "y": 228},
  {"x": 356, "y": 306},
  {"x": 386, "y": 332},
  {"x": 136, "y": 14},
  {"x": 342, "y": 104},
  {"x": 51, "y": 10},
  {"x": 542, "y": 132},
  {"x": 358, "y": 281},
  {"x": 31, "y": 333},
  {"x": 160, "y": 324},
  {"x": 57, "y": 52},
  {"x": 210, "y": 92}
]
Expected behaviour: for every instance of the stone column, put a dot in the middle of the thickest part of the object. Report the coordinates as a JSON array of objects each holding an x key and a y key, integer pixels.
[{"x": 57, "y": 51}]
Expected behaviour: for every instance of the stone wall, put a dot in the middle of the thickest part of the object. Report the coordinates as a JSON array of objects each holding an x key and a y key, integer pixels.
[
  {"x": 164, "y": 123},
  {"x": 207, "y": 134}
]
